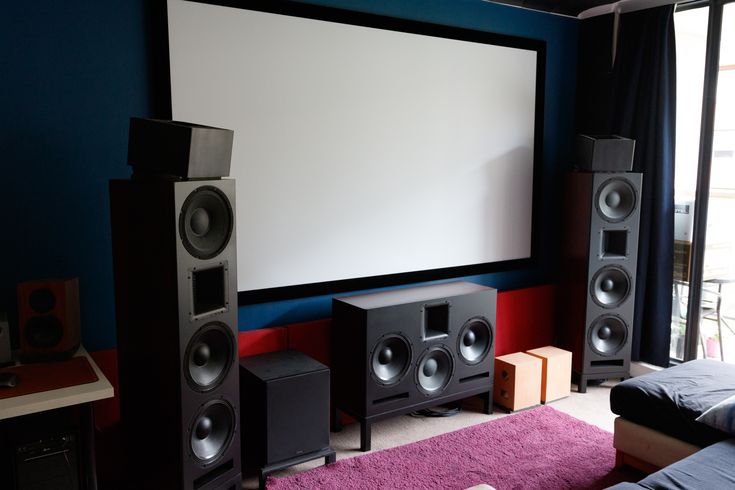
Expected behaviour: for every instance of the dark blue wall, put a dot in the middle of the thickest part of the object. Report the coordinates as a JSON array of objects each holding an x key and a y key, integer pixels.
[{"x": 71, "y": 75}]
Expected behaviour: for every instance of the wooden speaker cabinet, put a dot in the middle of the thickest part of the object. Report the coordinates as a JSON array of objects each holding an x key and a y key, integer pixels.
[
  {"x": 556, "y": 372},
  {"x": 517, "y": 381}
]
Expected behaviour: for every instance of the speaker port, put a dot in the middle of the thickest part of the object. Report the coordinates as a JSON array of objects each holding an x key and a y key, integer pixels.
[
  {"x": 614, "y": 244},
  {"x": 436, "y": 321},
  {"x": 208, "y": 291}
]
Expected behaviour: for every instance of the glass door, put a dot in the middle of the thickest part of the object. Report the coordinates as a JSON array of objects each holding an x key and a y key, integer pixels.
[
  {"x": 691, "y": 47},
  {"x": 714, "y": 335}
]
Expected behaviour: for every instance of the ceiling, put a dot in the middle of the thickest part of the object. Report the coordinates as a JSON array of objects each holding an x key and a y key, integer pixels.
[{"x": 565, "y": 7}]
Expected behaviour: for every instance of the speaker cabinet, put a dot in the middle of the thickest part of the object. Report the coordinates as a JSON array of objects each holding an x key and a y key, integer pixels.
[
  {"x": 285, "y": 411},
  {"x": 180, "y": 149},
  {"x": 48, "y": 317},
  {"x": 600, "y": 248},
  {"x": 605, "y": 153},
  {"x": 398, "y": 351},
  {"x": 176, "y": 307},
  {"x": 556, "y": 372},
  {"x": 518, "y": 381}
]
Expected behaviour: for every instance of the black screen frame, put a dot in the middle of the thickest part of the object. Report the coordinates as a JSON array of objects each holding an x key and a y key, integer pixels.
[{"x": 362, "y": 19}]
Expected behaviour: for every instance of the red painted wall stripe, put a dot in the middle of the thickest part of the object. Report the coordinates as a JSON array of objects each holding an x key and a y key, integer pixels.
[
  {"x": 525, "y": 319},
  {"x": 312, "y": 338},
  {"x": 260, "y": 341}
]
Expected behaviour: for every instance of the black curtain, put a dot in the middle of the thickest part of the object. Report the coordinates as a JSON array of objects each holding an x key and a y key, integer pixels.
[{"x": 635, "y": 96}]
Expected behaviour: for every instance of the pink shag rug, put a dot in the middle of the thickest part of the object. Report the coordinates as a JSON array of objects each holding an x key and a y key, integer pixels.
[{"x": 539, "y": 448}]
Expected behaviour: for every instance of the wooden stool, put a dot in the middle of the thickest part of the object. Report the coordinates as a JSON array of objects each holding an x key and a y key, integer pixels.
[
  {"x": 556, "y": 375},
  {"x": 517, "y": 381}
]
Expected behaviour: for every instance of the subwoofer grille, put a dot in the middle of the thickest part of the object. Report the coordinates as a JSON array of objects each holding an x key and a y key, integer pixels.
[
  {"x": 434, "y": 370},
  {"x": 610, "y": 286},
  {"x": 209, "y": 356},
  {"x": 474, "y": 340},
  {"x": 390, "y": 359},
  {"x": 607, "y": 335},
  {"x": 615, "y": 200},
  {"x": 211, "y": 431},
  {"x": 206, "y": 222}
]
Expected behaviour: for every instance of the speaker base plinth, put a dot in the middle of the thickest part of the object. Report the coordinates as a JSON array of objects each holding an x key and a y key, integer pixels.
[
  {"x": 581, "y": 380},
  {"x": 366, "y": 422},
  {"x": 329, "y": 455}
]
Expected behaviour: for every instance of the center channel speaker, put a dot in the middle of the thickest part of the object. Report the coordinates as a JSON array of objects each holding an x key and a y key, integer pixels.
[
  {"x": 600, "y": 248},
  {"x": 398, "y": 351},
  {"x": 174, "y": 258}
]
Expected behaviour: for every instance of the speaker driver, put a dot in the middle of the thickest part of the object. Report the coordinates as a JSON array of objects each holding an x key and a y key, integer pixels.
[
  {"x": 42, "y": 300},
  {"x": 607, "y": 335},
  {"x": 209, "y": 356},
  {"x": 211, "y": 431},
  {"x": 615, "y": 200},
  {"x": 434, "y": 370},
  {"x": 610, "y": 286},
  {"x": 474, "y": 341},
  {"x": 205, "y": 222},
  {"x": 43, "y": 332},
  {"x": 390, "y": 359}
]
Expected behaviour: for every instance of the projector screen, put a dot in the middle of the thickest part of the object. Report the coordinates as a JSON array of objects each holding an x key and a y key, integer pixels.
[{"x": 368, "y": 150}]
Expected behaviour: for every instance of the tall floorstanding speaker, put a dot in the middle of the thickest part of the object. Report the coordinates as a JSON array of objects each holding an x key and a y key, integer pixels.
[
  {"x": 600, "y": 253},
  {"x": 398, "y": 351},
  {"x": 176, "y": 306}
]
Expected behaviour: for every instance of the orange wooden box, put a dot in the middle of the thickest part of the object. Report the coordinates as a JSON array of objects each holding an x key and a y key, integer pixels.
[
  {"x": 556, "y": 374},
  {"x": 517, "y": 381}
]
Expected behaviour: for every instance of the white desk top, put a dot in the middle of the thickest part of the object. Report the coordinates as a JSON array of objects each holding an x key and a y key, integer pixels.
[{"x": 62, "y": 397}]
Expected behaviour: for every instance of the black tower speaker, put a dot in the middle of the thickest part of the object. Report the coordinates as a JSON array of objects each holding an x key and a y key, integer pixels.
[
  {"x": 176, "y": 307},
  {"x": 600, "y": 247},
  {"x": 398, "y": 351}
]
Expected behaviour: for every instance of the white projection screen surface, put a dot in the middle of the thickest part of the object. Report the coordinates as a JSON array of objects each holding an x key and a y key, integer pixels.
[{"x": 360, "y": 151}]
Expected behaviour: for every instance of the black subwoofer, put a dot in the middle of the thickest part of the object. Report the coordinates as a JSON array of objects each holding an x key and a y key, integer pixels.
[
  {"x": 176, "y": 307},
  {"x": 285, "y": 407},
  {"x": 600, "y": 253},
  {"x": 394, "y": 352}
]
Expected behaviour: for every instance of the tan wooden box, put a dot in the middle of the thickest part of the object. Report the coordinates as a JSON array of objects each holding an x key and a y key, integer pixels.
[
  {"x": 556, "y": 375},
  {"x": 517, "y": 381}
]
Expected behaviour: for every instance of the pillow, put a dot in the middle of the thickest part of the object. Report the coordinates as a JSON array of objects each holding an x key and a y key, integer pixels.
[{"x": 721, "y": 416}]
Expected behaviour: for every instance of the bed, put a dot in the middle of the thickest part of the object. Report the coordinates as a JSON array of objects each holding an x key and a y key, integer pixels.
[
  {"x": 656, "y": 425},
  {"x": 657, "y": 412}
]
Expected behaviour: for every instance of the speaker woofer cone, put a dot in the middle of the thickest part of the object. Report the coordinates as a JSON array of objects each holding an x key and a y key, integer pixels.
[
  {"x": 616, "y": 199},
  {"x": 390, "y": 359},
  {"x": 211, "y": 431},
  {"x": 434, "y": 370},
  {"x": 209, "y": 356},
  {"x": 42, "y": 300},
  {"x": 206, "y": 222},
  {"x": 610, "y": 286},
  {"x": 43, "y": 332},
  {"x": 607, "y": 335},
  {"x": 474, "y": 341}
]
